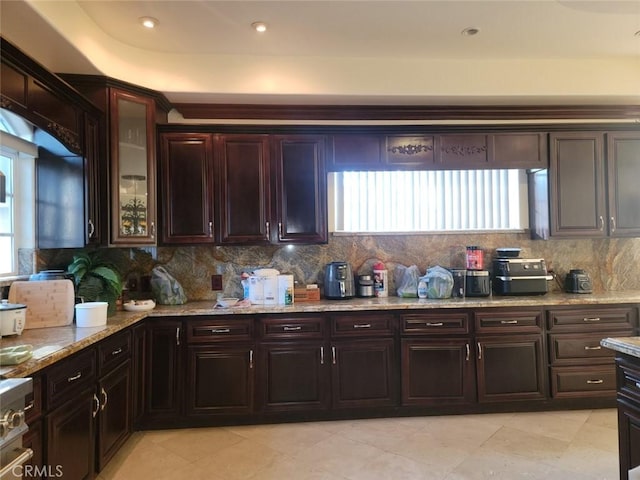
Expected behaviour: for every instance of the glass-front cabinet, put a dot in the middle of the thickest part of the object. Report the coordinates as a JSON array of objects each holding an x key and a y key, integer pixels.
[{"x": 133, "y": 193}]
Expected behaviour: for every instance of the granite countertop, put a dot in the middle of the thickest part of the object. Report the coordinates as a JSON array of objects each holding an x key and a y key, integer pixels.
[
  {"x": 55, "y": 343},
  {"x": 628, "y": 345}
]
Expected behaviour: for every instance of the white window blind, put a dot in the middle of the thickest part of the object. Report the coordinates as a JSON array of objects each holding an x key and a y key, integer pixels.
[{"x": 424, "y": 201}]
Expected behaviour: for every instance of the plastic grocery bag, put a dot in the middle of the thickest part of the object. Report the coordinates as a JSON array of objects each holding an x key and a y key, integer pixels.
[
  {"x": 165, "y": 288},
  {"x": 407, "y": 281},
  {"x": 439, "y": 282}
]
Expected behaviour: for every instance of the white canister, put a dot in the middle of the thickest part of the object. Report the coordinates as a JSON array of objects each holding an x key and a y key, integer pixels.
[
  {"x": 285, "y": 289},
  {"x": 91, "y": 314}
]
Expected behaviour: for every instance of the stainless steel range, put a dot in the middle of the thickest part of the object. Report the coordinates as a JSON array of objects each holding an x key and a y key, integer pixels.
[{"x": 13, "y": 426}]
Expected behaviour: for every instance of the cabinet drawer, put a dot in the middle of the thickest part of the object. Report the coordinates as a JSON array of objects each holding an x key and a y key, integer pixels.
[
  {"x": 69, "y": 377},
  {"x": 113, "y": 351},
  {"x": 362, "y": 325},
  {"x": 219, "y": 330},
  {"x": 629, "y": 380},
  {"x": 435, "y": 323},
  {"x": 592, "y": 319},
  {"x": 292, "y": 327},
  {"x": 501, "y": 321},
  {"x": 575, "y": 348},
  {"x": 593, "y": 381}
]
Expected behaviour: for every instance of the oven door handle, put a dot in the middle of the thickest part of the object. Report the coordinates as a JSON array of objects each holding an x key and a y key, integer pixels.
[{"x": 21, "y": 459}]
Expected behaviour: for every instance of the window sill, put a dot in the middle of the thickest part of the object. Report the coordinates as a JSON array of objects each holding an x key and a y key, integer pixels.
[{"x": 430, "y": 232}]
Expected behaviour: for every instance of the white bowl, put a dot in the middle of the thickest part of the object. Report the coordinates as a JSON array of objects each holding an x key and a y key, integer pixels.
[
  {"x": 139, "y": 305},
  {"x": 91, "y": 314},
  {"x": 227, "y": 301}
]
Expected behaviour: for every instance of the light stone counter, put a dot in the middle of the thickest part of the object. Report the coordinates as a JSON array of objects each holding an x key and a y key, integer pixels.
[
  {"x": 628, "y": 345},
  {"x": 53, "y": 344}
]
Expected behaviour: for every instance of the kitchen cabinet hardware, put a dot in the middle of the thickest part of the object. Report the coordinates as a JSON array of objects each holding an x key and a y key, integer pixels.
[
  {"x": 267, "y": 228},
  {"x": 434, "y": 324},
  {"x": 591, "y": 319},
  {"x": 211, "y": 229},
  {"x": 96, "y": 402},
  {"x": 251, "y": 359},
  {"x": 508, "y": 322},
  {"x": 637, "y": 385},
  {"x": 361, "y": 325},
  {"x": 595, "y": 382},
  {"x": 288, "y": 328},
  {"x": 601, "y": 221},
  {"x": 468, "y": 351},
  {"x": 333, "y": 355},
  {"x": 280, "y": 231},
  {"x": 597, "y": 347},
  {"x": 74, "y": 377},
  {"x": 220, "y": 330},
  {"x": 117, "y": 352},
  {"x": 177, "y": 335},
  {"x": 479, "y": 351},
  {"x": 29, "y": 406},
  {"x": 613, "y": 224},
  {"x": 92, "y": 229},
  {"x": 105, "y": 398},
  {"x": 321, "y": 355}
]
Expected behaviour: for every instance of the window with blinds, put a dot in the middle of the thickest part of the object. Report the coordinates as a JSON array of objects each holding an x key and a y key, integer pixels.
[{"x": 429, "y": 201}]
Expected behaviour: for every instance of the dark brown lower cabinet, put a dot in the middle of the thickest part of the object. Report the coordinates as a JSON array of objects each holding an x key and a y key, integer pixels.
[
  {"x": 363, "y": 373},
  {"x": 510, "y": 367},
  {"x": 294, "y": 376},
  {"x": 628, "y": 399},
  {"x": 138, "y": 360},
  {"x": 71, "y": 436},
  {"x": 437, "y": 372},
  {"x": 220, "y": 380},
  {"x": 33, "y": 439},
  {"x": 164, "y": 368},
  {"x": 114, "y": 418}
]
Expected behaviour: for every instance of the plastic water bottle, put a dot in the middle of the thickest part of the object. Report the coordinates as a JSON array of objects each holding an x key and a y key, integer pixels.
[{"x": 422, "y": 289}]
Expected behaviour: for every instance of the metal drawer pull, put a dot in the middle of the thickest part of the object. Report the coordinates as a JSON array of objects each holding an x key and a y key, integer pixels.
[
  {"x": 438, "y": 324},
  {"x": 177, "y": 335},
  {"x": 321, "y": 355},
  {"x": 74, "y": 378},
  {"x": 508, "y": 322},
  {"x": 637, "y": 385},
  {"x": 479, "y": 351},
  {"x": 361, "y": 325},
  {"x": 287, "y": 328},
  {"x": 333, "y": 355},
  {"x": 468, "y": 352},
  {"x": 97, "y": 402},
  {"x": 601, "y": 223},
  {"x": 104, "y": 398},
  {"x": 12, "y": 466},
  {"x": 211, "y": 229},
  {"x": 92, "y": 228},
  {"x": 117, "y": 352},
  {"x": 30, "y": 406},
  {"x": 267, "y": 230},
  {"x": 595, "y": 382},
  {"x": 594, "y": 319},
  {"x": 587, "y": 347},
  {"x": 250, "y": 358},
  {"x": 221, "y": 330},
  {"x": 613, "y": 224}
]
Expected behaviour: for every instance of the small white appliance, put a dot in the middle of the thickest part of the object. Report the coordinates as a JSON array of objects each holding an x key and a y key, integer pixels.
[
  {"x": 12, "y": 318},
  {"x": 263, "y": 287}
]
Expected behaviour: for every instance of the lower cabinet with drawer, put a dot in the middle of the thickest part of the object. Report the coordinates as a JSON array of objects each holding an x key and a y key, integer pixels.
[
  {"x": 579, "y": 366},
  {"x": 437, "y": 366},
  {"x": 628, "y": 378}
]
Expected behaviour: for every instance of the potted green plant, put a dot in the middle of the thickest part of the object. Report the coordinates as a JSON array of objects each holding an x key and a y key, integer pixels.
[{"x": 96, "y": 278}]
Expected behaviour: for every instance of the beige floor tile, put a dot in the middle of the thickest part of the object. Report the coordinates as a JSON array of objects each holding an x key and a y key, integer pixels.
[
  {"x": 195, "y": 443},
  {"x": 605, "y": 418},
  {"x": 189, "y": 472},
  {"x": 548, "y": 424},
  {"x": 290, "y": 438},
  {"x": 380, "y": 433},
  {"x": 596, "y": 436},
  {"x": 389, "y": 466},
  {"x": 240, "y": 461},
  {"x": 589, "y": 461},
  {"x": 515, "y": 442},
  {"x": 289, "y": 468}
]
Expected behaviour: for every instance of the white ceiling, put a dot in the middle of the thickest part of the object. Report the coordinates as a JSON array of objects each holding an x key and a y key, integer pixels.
[{"x": 366, "y": 52}]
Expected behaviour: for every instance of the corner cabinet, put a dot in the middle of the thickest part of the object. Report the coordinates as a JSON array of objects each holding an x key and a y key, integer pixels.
[
  {"x": 272, "y": 189},
  {"x": 623, "y": 173},
  {"x": 186, "y": 182}
]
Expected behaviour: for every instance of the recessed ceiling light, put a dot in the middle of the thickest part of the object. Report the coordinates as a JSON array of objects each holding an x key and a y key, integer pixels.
[
  {"x": 470, "y": 31},
  {"x": 259, "y": 27},
  {"x": 149, "y": 22}
]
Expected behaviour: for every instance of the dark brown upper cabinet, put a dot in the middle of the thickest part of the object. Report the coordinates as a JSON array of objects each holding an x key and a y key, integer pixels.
[
  {"x": 585, "y": 193},
  {"x": 518, "y": 150},
  {"x": 272, "y": 189},
  {"x": 355, "y": 152},
  {"x": 186, "y": 179},
  {"x": 403, "y": 151},
  {"x": 468, "y": 151}
]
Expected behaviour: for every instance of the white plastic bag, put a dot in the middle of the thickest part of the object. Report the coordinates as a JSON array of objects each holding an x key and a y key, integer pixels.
[
  {"x": 439, "y": 282},
  {"x": 407, "y": 281},
  {"x": 165, "y": 288}
]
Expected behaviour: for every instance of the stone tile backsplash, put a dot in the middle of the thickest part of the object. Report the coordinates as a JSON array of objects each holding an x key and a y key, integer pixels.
[{"x": 612, "y": 263}]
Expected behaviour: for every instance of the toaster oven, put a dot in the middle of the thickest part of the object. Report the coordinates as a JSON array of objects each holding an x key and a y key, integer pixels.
[{"x": 520, "y": 276}]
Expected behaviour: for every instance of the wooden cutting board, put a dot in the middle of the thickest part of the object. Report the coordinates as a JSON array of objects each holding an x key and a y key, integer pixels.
[{"x": 50, "y": 303}]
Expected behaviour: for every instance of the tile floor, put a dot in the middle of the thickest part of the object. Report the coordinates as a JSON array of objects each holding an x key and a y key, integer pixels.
[{"x": 549, "y": 445}]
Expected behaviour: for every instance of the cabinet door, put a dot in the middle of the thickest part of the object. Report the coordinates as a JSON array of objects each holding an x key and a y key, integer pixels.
[
  {"x": 96, "y": 185},
  {"x": 629, "y": 436},
  {"x": 133, "y": 171},
  {"x": 623, "y": 160},
  {"x": 34, "y": 439},
  {"x": 437, "y": 372},
  {"x": 163, "y": 368},
  {"x": 138, "y": 373},
  {"x": 362, "y": 373},
  {"x": 220, "y": 380},
  {"x": 187, "y": 201},
  {"x": 510, "y": 367},
  {"x": 294, "y": 376},
  {"x": 114, "y": 418},
  {"x": 301, "y": 194},
  {"x": 576, "y": 185},
  {"x": 71, "y": 437},
  {"x": 245, "y": 195},
  {"x": 519, "y": 150},
  {"x": 468, "y": 151}
]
